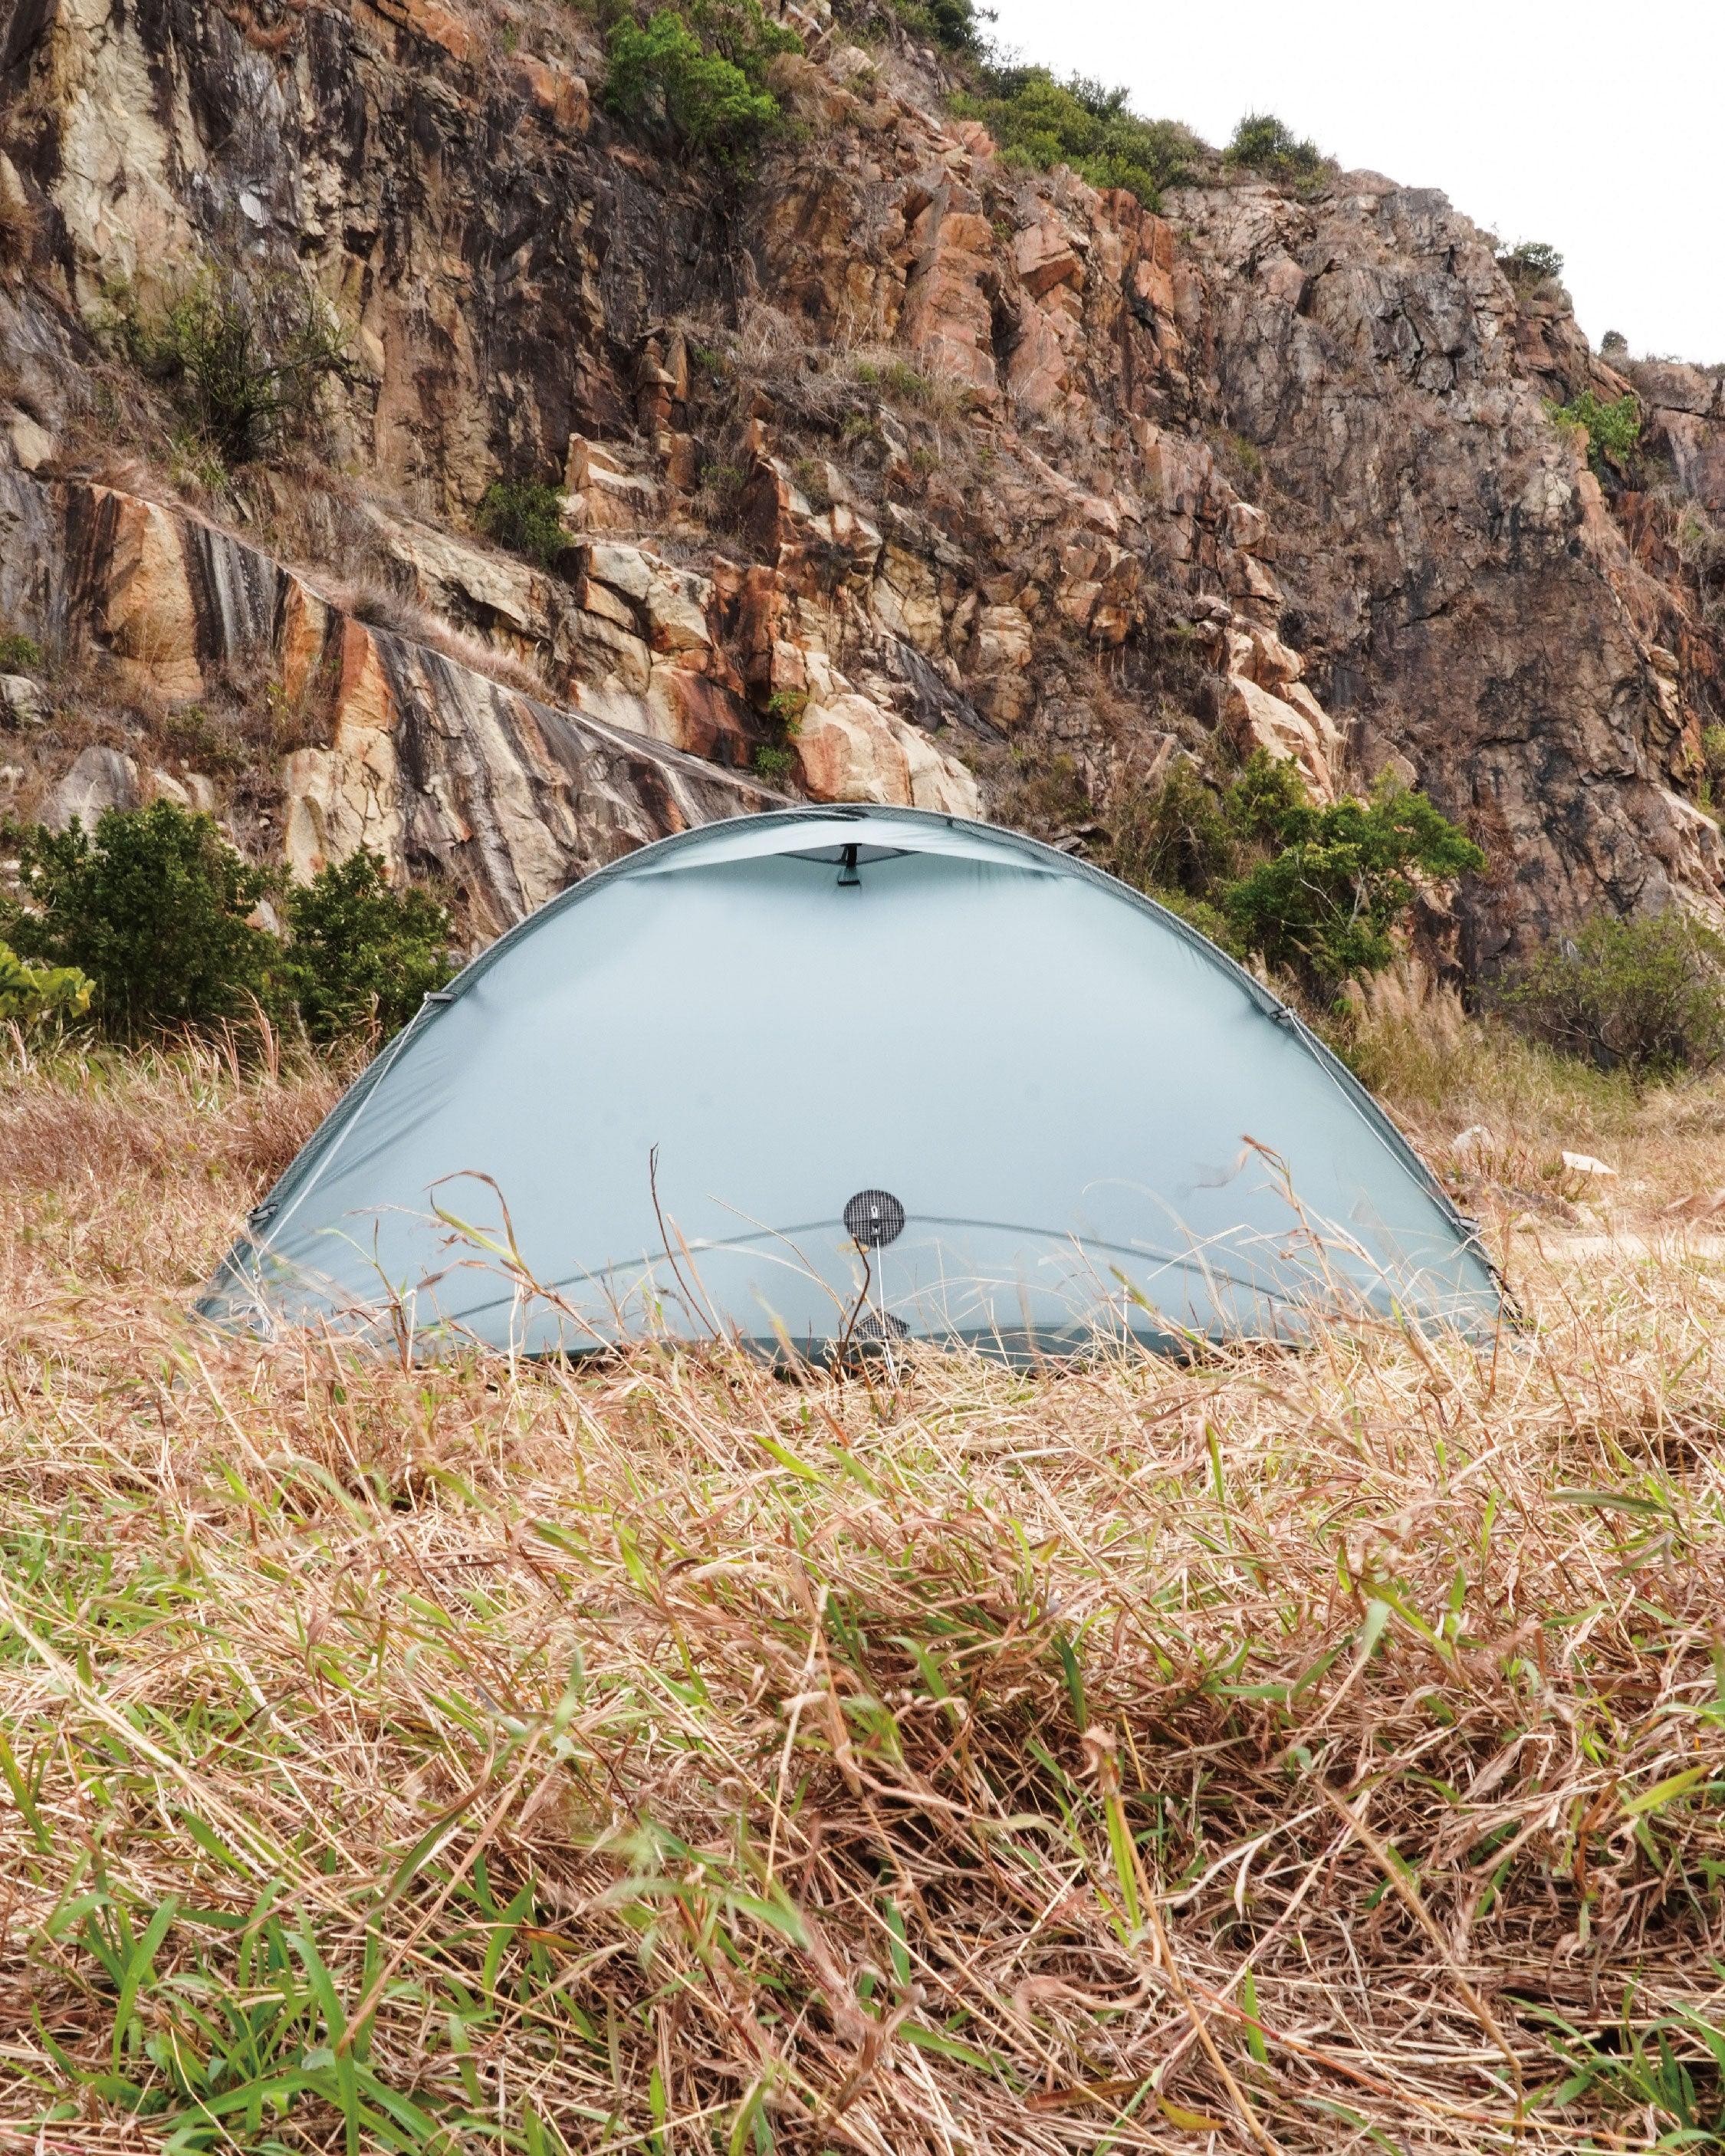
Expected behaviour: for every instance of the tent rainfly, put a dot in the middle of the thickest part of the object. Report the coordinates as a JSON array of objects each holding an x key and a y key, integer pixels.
[{"x": 847, "y": 1074}]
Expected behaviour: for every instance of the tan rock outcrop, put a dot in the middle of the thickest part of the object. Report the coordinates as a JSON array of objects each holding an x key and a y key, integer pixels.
[{"x": 436, "y": 766}]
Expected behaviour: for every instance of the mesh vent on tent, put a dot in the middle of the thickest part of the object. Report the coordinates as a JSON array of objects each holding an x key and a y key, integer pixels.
[
  {"x": 875, "y": 1218},
  {"x": 884, "y": 1326}
]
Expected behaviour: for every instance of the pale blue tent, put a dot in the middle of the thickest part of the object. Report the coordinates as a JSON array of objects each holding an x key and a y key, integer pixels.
[{"x": 843, "y": 1074}]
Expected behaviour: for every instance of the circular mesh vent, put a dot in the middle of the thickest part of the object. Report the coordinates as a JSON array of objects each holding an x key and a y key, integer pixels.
[
  {"x": 874, "y": 1218},
  {"x": 883, "y": 1326}
]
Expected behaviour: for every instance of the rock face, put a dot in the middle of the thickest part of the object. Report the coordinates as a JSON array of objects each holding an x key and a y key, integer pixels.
[
  {"x": 1469, "y": 605},
  {"x": 891, "y": 474},
  {"x": 437, "y": 765}
]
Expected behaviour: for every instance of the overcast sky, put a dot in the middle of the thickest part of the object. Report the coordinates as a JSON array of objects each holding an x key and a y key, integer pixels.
[{"x": 1601, "y": 131}]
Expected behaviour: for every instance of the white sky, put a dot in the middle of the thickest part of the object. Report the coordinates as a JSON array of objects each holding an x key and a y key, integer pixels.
[{"x": 1600, "y": 129}]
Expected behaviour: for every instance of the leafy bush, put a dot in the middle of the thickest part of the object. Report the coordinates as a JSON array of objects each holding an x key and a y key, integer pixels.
[
  {"x": 20, "y": 655},
  {"x": 526, "y": 517},
  {"x": 245, "y": 358},
  {"x": 1644, "y": 996},
  {"x": 1038, "y": 121},
  {"x": 1178, "y": 839},
  {"x": 152, "y": 911},
  {"x": 1530, "y": 265},
  {"x": 153, "y": 906},
  {"x": 361, "y": 957},
  {"x": 1341, "y": 878},
  {"x": 1208, "y": 920},
  {"x": 35, "y": 995},
  {"x": 1613, "y": 430},
  {"x": 1712, "y": 788},
  {"x": 700, "y": 68},
  {"x": 1262, "y": 869},
  {"x": 952, "y": 24},
  {"x": 1264, "y": 144},
  {"x": 777, "y": 759}
]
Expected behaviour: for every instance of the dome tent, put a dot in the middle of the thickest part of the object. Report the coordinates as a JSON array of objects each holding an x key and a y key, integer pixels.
[{"x": 839, "y": 1072}]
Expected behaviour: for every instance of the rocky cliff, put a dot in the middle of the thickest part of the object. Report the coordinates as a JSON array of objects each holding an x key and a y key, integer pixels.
[{"x": 890, "y": 470}]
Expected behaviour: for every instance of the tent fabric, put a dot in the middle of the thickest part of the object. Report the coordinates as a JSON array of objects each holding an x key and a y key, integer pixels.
[{"x": 645, "y": 1109}]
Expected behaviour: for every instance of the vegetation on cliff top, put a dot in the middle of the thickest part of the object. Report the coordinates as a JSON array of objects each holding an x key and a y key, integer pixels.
[
  {"x": 699, "y": 69},
  {"x": 1267, "y": 146},
  {"x": 1038, "y": 120},
  {"x": 1531, "y": 264}
]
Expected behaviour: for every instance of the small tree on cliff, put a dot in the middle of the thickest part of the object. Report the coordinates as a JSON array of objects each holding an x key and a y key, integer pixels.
[
  {"x": 1318, "y": 890},
  {"x": 1531, "y": 264},
  {"x": 702, "y": 70},
  {"x": 1334, "y": 880},
  {"x": 1264, "y": 144}
]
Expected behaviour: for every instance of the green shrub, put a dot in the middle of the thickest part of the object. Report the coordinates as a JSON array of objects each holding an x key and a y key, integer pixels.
[
  {"x": 244, "y": 357},
  {"x": 360, "y": 957},
  {"x": 1316, "y": 890},
  {"x": 952, "y": 24},
  {"x": 152, "y": 907},
  {"x": 38, "y": 995},
  {"x": 897, "y": 382},
  {"x": 1264, "y": 144},
  {"x": 701, "y": 70},
  {"x": 1710, "y": 789},
  {"x": 1209, "y": 921},
  {"x": 1038, "y": 121},
  {"x": 1530, "y": 265},
  {"x": 150, "y": 912},
  {"x": 20, "y": 655},
  {"x": 776, "y": 759},
  {"x": 1342, "y": 878},
  {"x": 1612, "y": 428},
  {"x": 1644, "y": 996},
  {"x": 526, "y": 517},
  {"x": 1177, "y": 838}
]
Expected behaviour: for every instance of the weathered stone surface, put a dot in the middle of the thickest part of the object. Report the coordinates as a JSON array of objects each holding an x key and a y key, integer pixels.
[
  {"x": 1684, "y": 415},
  {"x": 22, "y": 701},
  {"x": 603, "y": 493},
  {"x": 100, "y": 779},
  {"x": 1465, "y": 602},
  {"x": 439, "y": 768},
  {"x": 948, "y": 319},
  {"x": 850, "y": 748}
]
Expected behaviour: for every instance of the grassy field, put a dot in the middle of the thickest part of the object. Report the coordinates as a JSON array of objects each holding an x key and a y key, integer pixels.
[{"x": 1290, "y": 1753}]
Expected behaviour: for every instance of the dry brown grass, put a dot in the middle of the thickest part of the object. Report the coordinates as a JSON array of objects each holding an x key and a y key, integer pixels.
[{"x": 1299, "y": 1753}]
